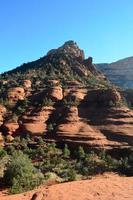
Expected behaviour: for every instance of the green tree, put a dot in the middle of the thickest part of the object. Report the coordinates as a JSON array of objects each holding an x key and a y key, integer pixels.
[
  {"x": 81, "y": 153},
  {"x": 66, "y": 152},
  {"x": 20, "y": 173}
]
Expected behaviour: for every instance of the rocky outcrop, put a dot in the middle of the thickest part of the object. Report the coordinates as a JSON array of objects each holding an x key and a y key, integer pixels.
[
  {"x": 1, "y": 140},
  {"x": 2, "y": 110},
  {"x": 75, "y": 93},
  {"x": 89, "y": 64},
  {"x": 10, "y": 128},
  {"x": 75, "y": 130},
  {"x": 53, "y": 82},
  {"x": 55, "y": 93},
  {"x": 69, "y": 47},
  {"x": 2, "y": 113},
  {"x": 116, "y": 124},
  {"x": 27, "y": 84},
  {"x": 103, "y": 97},
  {"x": 15, "y": 94},
  {"x": 119, "y": 73},
  {"x": 35, "y": 123}
]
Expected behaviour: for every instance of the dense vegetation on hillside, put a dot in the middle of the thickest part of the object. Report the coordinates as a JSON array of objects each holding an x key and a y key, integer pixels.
[
  {"x": 63, "y": 64},
  {"x": 28, "y": 162}
]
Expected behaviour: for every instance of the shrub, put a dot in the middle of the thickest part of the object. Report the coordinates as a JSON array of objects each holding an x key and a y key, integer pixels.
[
  {"x": 20, "y": 173},
  {"x": 47, "y": 102},
  {"x": 68, "y": 174},
  {"x": 50, "y": 127},
  {"x": 66, "y": 152},
  {"x": 2, "y": 153},
  {"x": 80, "y": 153}
]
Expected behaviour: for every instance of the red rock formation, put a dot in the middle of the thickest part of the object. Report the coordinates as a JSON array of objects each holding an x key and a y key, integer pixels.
[
  {"x": 1, "y": 140},
  {"x": 10, "y": 128},
  {"x": 2, "y": 110},
  {"x": 62, "y": 62},
  {"x": 74, "y": 92},
  {"x": 75, "y": 130},
  {"x": 53, "y": 82},
  {"x": 116, "y": 124},
  {"x": 89, "y": 64},
  {"x": 35, "y": 123},
  {"x": 15, "y": 94},
  {"x": 56, "y": 93},
  {"x": 2, "y": 113},
  {"x": 103, "y": 96},
  {"x": 27, "y": 83}
]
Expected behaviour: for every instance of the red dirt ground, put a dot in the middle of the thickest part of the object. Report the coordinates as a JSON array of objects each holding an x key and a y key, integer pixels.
[{"x": 103, "y": 187}]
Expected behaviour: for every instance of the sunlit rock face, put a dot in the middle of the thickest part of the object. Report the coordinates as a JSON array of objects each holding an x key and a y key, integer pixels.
[
  {"x": 55, "y": 93},
  {"x": 27, "y": 84},
  {"x": 35, "y": 123},
  {"x": 15, "y": 94},
  {"x": 10, "y": 128}
]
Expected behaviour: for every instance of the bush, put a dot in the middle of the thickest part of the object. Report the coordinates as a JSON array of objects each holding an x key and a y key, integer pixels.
[
  {"x": 47, "y": 102},
  {"x": 2, "y": 153},
  {"x": 20, "y": 173},
  {"x": 66, "y": 152},
  {"x": 68, "y": 174}
]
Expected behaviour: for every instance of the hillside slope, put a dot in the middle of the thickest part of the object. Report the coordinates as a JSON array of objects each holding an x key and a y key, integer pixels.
[
  {"x": 62, "y": 97},
  {"x": 120, "y": 72}
]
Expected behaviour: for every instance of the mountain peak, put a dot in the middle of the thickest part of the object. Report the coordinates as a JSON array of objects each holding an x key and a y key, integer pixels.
[{"x": 70, "y": 47}]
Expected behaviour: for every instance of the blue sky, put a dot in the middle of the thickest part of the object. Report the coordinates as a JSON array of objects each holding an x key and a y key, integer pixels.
[{"x": 29, "y": 28}]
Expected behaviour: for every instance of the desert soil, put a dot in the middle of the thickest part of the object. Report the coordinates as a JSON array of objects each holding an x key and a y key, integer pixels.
[{"x": 103, "y": 187}]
